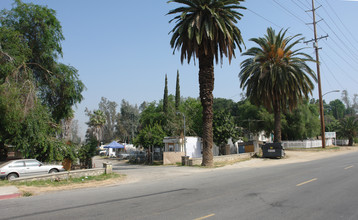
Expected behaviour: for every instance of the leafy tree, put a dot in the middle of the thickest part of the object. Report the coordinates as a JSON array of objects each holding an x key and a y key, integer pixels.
[
  {"x": 253, "y": 119},
  {"x": 150, "y": 137},
  {"x": 301, "y": 123},
  {"x": 86, "y": 152},
  {"x": 222, "y": 104},
  {"x": 336, "y": 108},
  {"x": 165, "y": 97},
  {"x": 224, "y": 128},
  {"x": 177, "y": 92},
  {"x": 205, "y": 29},
  {"x": 109, "y": 108},
  {"x": 37, "y": 92},
  {"x": 276, "y": 76},
  {"x": 57, "y": 85},
  {"x": 348, "y": 128},
  {"x": 128, "y": 121}
]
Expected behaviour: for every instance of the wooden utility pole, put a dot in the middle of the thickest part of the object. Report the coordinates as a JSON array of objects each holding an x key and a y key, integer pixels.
[{"x": 319, "y": 77}]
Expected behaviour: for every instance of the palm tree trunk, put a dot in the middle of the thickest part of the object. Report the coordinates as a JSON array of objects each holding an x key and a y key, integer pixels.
[
  {"x": 277, "y": 132},
  {"x": 206, "y": 81}
]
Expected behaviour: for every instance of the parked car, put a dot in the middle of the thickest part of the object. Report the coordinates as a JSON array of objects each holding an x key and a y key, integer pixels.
[
  {"x": 123, "y": 156},
  {"x": 26, "y": 167}
]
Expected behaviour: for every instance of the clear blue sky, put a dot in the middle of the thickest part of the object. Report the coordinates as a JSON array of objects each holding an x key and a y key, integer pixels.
[{"x": 121, "y": 48}]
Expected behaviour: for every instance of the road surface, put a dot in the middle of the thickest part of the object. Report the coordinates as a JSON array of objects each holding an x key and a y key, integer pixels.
[{"x": 322, "y": 189}]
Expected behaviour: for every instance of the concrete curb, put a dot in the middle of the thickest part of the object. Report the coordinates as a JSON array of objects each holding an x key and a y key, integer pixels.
[{"x": 9, "y": 192}]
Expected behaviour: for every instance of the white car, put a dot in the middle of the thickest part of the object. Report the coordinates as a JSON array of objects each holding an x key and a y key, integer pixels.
[{"x": 26, "y": 167}]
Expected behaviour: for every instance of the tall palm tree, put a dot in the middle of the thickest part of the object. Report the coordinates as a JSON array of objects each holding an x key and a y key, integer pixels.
[
  {"x": 205, "y": 29},
  {"x": 277, "y": 76},
  {"x": 348, "y": 128},
  {"x": 97, "y": 121}
]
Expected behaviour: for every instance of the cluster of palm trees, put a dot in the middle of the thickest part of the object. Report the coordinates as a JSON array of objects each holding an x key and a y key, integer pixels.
[{"x": 275, "y": 75}]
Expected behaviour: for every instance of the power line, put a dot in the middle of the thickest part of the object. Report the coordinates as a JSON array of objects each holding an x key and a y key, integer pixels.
[
  {"x": 339, "y": 66},
  {"x": 332, "y": 74},
  {"x": 345, "y": 27},
  {"x": 264, "y": 18},
  {"x": 288, "y": 11}
]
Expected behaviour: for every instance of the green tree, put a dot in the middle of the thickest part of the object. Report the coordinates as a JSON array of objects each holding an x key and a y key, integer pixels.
[
  {"x": 128, "y": 121},
  {"x": 150, "y": 137},
  {"x": 57, "y": 85},
  {"x": 253, "y": 119},
  {"x": 165, "y": 96},
  {"x": 177, "y": 92},
  {"x": 337, "y": 109},
  {"x": 348, "y": 128},
  {"x": 205, "y": 29},
  {"x": 109, "y": 108},
  {"x": 302, "y": 123},
  {"x": 86, "y": 152},
  {"x": 276, "y": 76},
  {"x": 224, "y": 128}
]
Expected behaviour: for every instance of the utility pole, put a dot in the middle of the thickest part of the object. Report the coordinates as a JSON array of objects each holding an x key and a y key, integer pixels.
[{"x": 321, "y": 113}]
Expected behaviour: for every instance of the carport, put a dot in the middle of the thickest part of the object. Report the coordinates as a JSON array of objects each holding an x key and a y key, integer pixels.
[{"x": 112, "y": 148}]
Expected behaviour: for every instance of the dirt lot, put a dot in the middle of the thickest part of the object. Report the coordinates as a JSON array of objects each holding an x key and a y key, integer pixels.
[{"x": 292, "y": 156}]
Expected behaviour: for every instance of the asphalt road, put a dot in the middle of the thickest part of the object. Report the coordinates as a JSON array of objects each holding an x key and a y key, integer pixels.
[{"x": 321, "y": 189}]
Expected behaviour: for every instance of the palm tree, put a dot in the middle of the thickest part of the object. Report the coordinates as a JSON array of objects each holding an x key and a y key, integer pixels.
[
  {"x": 276, "y": 76},
  {"x": 97, "y": 121},
  {"x": 348, "y": 128},
  {"x": 205, "y": 29}
]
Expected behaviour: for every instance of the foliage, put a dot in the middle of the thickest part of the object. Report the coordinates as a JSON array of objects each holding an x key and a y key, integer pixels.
[
  {"x": 177, "y": 92},
  {"x": 224, "y": 128},
  {"x": 150, "y": 136},
  {"x": 196, "y": 29},
  {"x": 128, "y": 122},
  {"x": 336, "y": 108},
  {"x": 302, "y": 123},
  {"x": 109, "y": 108},
  {"x": 58, "y": 85},
  {"x": 254, "y": 119},
  {"x": 275, "y": 75},
  {"x": 165, "y": 96},
  {"x": 97, "y": 120},
  {"x": 36, "y": 91},
  {"x": 348, "y": 128},
  {"x": 86, "y": 152}
]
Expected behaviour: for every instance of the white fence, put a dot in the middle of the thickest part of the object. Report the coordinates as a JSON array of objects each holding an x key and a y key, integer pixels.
[
  {"x": 342, "y": 142},
  {"x": 312, "y": 143},
  {"x": 302, "y": 144}
]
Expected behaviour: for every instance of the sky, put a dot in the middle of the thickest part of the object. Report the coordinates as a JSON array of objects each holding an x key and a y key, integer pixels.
[{"x": 122, "y": 51}]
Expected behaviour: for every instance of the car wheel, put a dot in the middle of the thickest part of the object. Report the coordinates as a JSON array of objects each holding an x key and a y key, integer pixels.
[
  {"x": 12, "y": 176},
  {"x": 53, "y": 171}
]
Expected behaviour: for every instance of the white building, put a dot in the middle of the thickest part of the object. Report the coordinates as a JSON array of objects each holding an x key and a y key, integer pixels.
[{"x": 193, "y": 146}]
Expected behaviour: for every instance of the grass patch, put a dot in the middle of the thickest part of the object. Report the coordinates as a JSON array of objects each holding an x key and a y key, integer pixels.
[
  {"x": 27, "y": 194},
  {"x": 62, "y": 182}
]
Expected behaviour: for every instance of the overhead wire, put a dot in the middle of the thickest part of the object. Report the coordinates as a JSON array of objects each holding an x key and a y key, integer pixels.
[
  {"x": 330, "y": 71},
  {"x": 345, "y": 27}
]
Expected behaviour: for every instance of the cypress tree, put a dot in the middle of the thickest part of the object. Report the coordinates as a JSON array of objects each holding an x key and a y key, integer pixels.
[
  {"x": 165, "y": 98},
  {"x": 177, "y": 93}
]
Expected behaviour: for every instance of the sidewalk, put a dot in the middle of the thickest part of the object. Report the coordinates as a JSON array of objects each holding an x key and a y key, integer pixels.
[{"x": 9, "y": 192}]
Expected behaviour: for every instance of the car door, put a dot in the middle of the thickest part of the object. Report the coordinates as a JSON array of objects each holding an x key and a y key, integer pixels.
[
  {"x": 34, "y": 167},
  {"x": 17, "y": 167}
]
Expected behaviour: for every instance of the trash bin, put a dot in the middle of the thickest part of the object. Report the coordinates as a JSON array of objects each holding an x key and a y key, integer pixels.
[
  {"x": 184, "y": 160},
  {"x": 273, "y": 150}
]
